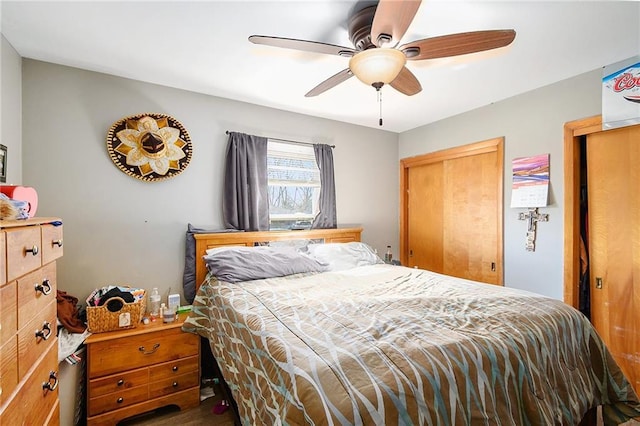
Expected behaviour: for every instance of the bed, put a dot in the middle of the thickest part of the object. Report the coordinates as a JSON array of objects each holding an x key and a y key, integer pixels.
[{"x": 355, "y": 341}]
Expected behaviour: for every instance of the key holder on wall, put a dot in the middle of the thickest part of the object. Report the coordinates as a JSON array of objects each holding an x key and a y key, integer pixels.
[{"x": 532, "y": 217}]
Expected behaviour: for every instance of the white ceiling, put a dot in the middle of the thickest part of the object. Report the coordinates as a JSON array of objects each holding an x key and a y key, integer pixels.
[{"x": 202, "y": 47}]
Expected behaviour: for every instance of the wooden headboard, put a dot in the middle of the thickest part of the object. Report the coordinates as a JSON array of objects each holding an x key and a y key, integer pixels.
[{"x": 207, "y": 241}]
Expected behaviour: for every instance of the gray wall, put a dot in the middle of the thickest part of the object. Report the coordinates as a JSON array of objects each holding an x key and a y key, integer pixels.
[
  {"x": 531, "y": 124},
  {"x": 120, "y": 230},
  {"x": 11, "y": 109}
]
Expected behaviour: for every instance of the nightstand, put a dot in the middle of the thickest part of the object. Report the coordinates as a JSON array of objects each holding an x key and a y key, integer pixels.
[{"x": 140, "y": 369}]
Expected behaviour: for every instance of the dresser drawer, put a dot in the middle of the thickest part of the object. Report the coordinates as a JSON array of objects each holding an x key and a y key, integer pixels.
[
  {"x": 3, "y": 258},
  {"x": 52, "y": 247},
  {"x": 54, "y": 416},
  {"x": 35, "y": 291},
  {"x": 31, "y": 338},
  {"x": 33, "y": 403},
  {"x": 124, "y": 353},
  {"x": 8, "y": 367},
  {"x": 117, "y": 400},
  {"x": 173, "y": 384},
  {"x": 118, "y": 382},
  {"x": 24, "y": 252},
  {"x": 8, "y": 311},
  {"x": 174, "y": 368}
]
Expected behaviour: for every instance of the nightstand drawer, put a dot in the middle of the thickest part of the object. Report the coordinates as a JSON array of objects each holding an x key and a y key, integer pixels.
[
  {"x": 32, "y": 345},
  {"x": 173, "y": 384},
  {"x": 118, "y": 382},
  {"x": 35, "y": 291},
  {"x": 174, "y": 368},
  {"x": 124, "y": 353},
  {"x": 117, "y": 400}
]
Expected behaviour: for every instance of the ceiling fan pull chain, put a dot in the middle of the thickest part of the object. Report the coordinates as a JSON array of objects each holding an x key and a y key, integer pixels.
[{"x": 380, "y": 104}]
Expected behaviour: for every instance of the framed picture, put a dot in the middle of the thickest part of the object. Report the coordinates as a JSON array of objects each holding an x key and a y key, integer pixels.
[{"x": 3, "y": 163}]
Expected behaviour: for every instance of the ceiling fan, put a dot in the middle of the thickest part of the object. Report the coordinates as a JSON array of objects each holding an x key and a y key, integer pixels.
[{"x": 376, "y": 59}]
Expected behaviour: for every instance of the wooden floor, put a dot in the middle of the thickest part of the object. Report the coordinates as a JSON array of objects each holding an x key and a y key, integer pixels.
[
  {"x": 204, "y": 415},
  {"x": 171, "y": 416}
]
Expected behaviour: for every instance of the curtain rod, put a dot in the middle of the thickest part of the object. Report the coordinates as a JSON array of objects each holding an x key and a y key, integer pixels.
[{"x": 289, "y": 141}]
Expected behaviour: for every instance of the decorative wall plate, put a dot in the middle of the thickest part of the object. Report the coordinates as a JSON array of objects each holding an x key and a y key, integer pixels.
[{"x": 150, "y": 147}]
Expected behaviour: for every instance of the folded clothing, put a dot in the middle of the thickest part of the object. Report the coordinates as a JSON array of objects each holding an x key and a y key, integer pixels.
[{"x": 102, "y": 295}]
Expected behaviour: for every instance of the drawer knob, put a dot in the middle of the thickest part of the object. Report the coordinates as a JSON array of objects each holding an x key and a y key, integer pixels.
[
  {"x": 45, "y": 332},
  {"x": 120, "y": 382},
  {"x": 175, "y": 384},
  {"x": 52, "y": 383},
  {"x": 33, "y": 250},
  {"x": 175, "y": 368},
  {"x": 57, "y": 242},
  {"x": 120, "y": 400},
  {"x": 145, "y": 352},
  {"x": 44, "y": 288}
]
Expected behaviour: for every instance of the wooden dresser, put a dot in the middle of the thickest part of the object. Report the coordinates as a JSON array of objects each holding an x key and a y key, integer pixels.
[
  {"x": 139, "y": 369},
  {"x": 28, "y": 342}
]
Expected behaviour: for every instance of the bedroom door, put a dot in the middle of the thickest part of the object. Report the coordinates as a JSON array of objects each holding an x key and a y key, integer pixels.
[
  {"x": 451, "y": 211},
  {"x": 613, "y": 179}
]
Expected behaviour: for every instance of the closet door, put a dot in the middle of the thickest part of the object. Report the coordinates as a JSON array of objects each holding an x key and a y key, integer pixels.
[
  {"x": 451, "y": 220},
  {"x": 470, "y": 229},
  {"x": 613, "y": 179},
  {"x": 426, "y": 207}
]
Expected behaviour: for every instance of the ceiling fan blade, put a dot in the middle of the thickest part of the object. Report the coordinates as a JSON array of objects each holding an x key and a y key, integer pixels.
[
  {"x": 406, "y": 83},
  {"x": 332, "y": 81},
  {"x": 391, "y": 21},
  {"x": 304, "y": 45},
  {"x": 457, "y": 44}
]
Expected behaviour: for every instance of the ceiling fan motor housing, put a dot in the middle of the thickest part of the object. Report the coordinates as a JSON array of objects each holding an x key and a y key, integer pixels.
[{"x": 360, "y": 28}]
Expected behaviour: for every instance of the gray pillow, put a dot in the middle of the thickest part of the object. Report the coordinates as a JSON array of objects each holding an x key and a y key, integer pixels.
[
  {"x": 235, "y": 264},
  {"x": 189, "y": 276}
]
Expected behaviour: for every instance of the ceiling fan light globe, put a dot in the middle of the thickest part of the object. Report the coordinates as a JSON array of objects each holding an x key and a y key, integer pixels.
[{"x": 377, "y": 65}]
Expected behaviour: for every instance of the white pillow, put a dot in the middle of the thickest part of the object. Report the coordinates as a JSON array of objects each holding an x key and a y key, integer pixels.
[{"x": 341, "y": 256}]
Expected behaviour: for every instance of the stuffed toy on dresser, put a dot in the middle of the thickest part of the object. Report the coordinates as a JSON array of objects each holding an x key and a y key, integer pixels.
[{"x": 13, "y": 209}]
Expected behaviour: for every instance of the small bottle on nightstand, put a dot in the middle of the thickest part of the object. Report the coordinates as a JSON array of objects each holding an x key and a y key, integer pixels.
[
  {"x": 388, "y": 256},
  {"x": 154, "y": 304}
]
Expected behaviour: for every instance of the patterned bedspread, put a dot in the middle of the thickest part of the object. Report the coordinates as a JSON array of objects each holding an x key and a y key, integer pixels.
[{"x": 392, "y": 345}]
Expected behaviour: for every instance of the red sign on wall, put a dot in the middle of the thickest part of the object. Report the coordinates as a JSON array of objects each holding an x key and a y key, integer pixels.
[{"x": 621, "y": 94}]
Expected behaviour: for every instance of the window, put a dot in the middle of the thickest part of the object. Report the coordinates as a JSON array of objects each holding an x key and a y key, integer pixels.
[{"x": 294, "y": 185}]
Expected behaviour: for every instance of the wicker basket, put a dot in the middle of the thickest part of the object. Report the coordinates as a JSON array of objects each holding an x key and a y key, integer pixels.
[{"x": 100, "y": 319}]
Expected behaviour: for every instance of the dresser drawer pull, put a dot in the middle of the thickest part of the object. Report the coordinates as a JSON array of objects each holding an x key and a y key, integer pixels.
[
  {"x": 120, "y": 400},
  {"x": 45, "y": 332},
  {"x": 33, "y": 250},
  {"x": 175, "y": 384},
  {"x": 49, "y": 385},
  {"x": 44, "y": 288},
  {"x": 175, "y": 368},
  {"x": 145, "y": 352},
  {"x": 57, "y": 242},
  {"x": 120, "y": 382}
]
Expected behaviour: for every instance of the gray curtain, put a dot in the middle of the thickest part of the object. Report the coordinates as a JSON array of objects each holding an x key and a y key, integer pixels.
[
  {"x": 245, "y": 202},
  {"x": 326, "y": 217}
]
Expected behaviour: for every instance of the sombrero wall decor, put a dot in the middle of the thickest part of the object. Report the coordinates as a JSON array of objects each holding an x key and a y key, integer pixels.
[{"x": 150, "y": 147}]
